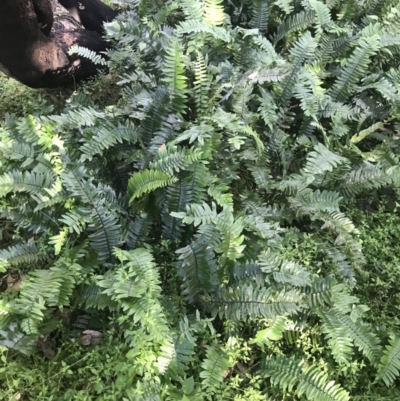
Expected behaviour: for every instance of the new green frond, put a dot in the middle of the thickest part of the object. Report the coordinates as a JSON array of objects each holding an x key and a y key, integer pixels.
[
  {"x": 146, "y": 181},
  {"x": 214, "y": 12},
  {"x": 174, "y": 71}
]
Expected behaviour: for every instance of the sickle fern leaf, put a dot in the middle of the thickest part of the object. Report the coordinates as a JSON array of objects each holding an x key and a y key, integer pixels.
[
  {"x": 322, "y": 160},
  {"x": 198, "y": 269},
  {"x": 246, "y": 301},
  {"x": 174, "y": 71},
  {"x": 92, "y": 296},
  {"x": 260, "y": 14},
  {"x": 156, "y": 112},
  {"x": 107, "y": 232},
  {"x": 286, "y": 6},
  {"x": 322, "y": 16},
  {"x": 355, "y": 68},
  {"x": 214, "y": 367},
  {"x": 389, "y": 366},
  {"x": 214, "y": 12},
  {"x": 289, "y": 373},
  {"x": 361, "y": 334},
  {"x": 338, "y": 338},
  {"x": 106, "y": 137},
  {"x": 138, "y": 230},
  {"x": 320, "y": 293},
  {"x": 30, "y": 182},
  {"x": 297, "y": 22},
  {"x": 176, "y": 356},
  {"x": 15, "y": 339},
  {"x": 16, "y": 255},
  {"x": 201, "y": 85},
  {"x": 192, "y": 9},
  {"x": 148, "y": 180},
  {"x": 274, "y": 332},
  {"x": 172, "y": 159},
  {"x": 303, "y": 49},
  {"x": 193, "y": 26}
]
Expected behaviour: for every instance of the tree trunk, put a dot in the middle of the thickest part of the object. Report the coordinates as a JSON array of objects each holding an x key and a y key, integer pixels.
[
  {"x": 90, "y": 13},
  {"x": 37, "y": 56}
]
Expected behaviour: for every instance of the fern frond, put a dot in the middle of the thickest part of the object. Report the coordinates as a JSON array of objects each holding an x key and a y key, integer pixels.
[
  {"x": 198, "y": 269},
  {"x": 107, "y": 232},
  {"x": 16, "y": 255},
  {"x": 355, "y": 68},
  {"x": 320, "y": 293},
  {"x": 192, "y": 9},
  {"x": 17, "y": 340},
  {"x": 146, "y": 181},
  {"x": 297, "y": 22},
  {"x": 308, "y": 202},
  {"x": 310, "y": 381},
  {"x": 302, "y": 50},
  {"x": 91, "y": 55},
  {"x": 339, "y": 341},
  {"x": 194, "y": 26},
  {"x": 283, "y": 271},
  {"x": 30, "y": 182},
  {"x": 389, "y": 366},
  {"x": 92, "y": 296},
  {"x": 322, "y": 160},
  {"x": 274, "y": 332},
  {"x": 201, "y": 84},
  {"x": 138, "y": 230},
  {"x": 322, "y": 16},
  {"x": 172, "y": 159},
  {"x": 175, "y": 357},
  {"x": 156, "y": 113},
  {"x": 214, "y": 12},
  {"x": 214, "y": 367},
  {"x": 106, "y": 137},
  {"x": 361, "y": 334},
  {"x": 247, "y": 301},
  {"x": 260, "y": 15},
  {"x": 174, "y": 72}
]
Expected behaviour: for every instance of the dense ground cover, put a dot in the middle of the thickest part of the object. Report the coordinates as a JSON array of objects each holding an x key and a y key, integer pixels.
[{"x": 217, "y": 218}]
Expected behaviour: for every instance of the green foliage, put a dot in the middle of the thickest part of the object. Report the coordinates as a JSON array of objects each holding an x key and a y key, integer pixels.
[{"x": 203, "y": 236}]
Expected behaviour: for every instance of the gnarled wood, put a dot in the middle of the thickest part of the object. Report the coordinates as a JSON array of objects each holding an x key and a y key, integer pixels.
[
  {"x": 91, "y": 13},
  {"x": 36, "y": 55},
  {"x": 44, "y": 14}
]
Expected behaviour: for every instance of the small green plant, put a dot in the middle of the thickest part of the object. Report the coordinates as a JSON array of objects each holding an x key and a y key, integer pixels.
[{"x": 192, "y": 238}]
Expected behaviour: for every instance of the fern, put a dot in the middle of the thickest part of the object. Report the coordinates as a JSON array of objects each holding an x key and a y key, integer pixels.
[
  {"x": 361, "y": 334},
  {"x": 198, "y": 269},
  {"x": 260, "y": 14},
  {"x": 146, "y": 181},
  {"x": 310, "y": 381},
  {"x": 214, "y": 12},
  {"x": 174, "y": 75},
  {"x": 338, "y": 338},
  {"x": 295, "y": 22},
  {"x": 389, "y": 366},
  {"x": 355, "y": 68},
  {"x": 89, "y": 54},
  {"x": 19, "y": 254},
  {"x": 274, "y": 332},
  {"x": 214, "y": 367},
  {"x": 247, "y": 301}
]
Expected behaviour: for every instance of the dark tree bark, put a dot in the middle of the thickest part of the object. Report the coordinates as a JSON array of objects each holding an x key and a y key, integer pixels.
[
  {"x": 90, "y": 13},
  {"x": 37, "y": 55}
]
